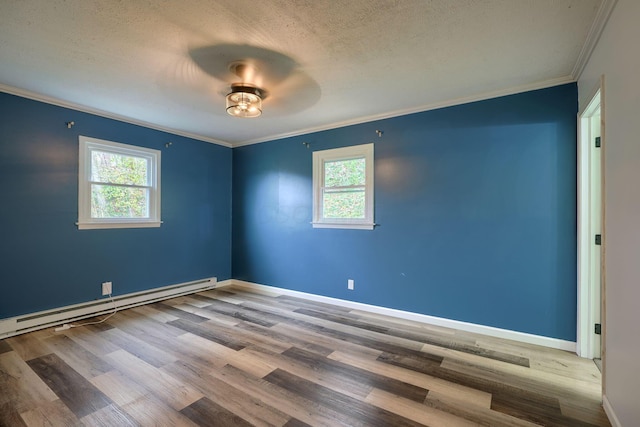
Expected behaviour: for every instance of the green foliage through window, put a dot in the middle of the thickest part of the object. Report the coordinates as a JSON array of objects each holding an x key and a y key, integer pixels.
[
  {"x": 343, "y": 173},
  {"x": 344, "y": 189},
  {"x": 119, "y": 186}
]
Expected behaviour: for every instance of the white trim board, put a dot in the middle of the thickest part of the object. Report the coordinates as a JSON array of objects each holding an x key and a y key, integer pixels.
[
  {"x": 101, "y": 113},
  {"x": 72, "y": 313},
  {"x": 423, "y": 318},
  {"x": 420, "y": 109},
  {"x": 608, "y": 409},
  {"x": 602, "y": 16},
  {"x": 305, "y": 131}
]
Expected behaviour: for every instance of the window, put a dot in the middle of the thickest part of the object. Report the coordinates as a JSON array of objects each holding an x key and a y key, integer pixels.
[
  {"x": 118, "y": 185},
  {"x": 343, "y": 188}
]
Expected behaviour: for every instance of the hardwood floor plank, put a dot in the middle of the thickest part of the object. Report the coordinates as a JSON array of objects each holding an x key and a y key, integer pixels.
[
  {"x": 52, "y": 414},
  {"x": 293, "y": 422},
  {"x": 334, "y": 381},
  {"x": 211, "y": 315},
  {"x": 245, "y": 334},
  {"x": 20, "y": 387},
  {"x": 204, "y": 353},
  {"x": 155, "y": 339},
  {"x": 383, "y": 343},
  {"x": 253, "y": 362},
  {"x": 325, "y": 341},
  {"x": 446, "y": 342},
  {"x": 465, "y": 395},
  {"x": 73, "y": 389},
  {"x": 138, "y": 324},
  {"x": 83, "y": 361},
  {"x": 254, "y": 410},
  {"x": 343, "y": 319},
  {"x": 29, "y": 346},
  {"x": 582, "y": 370},
  {"x": 518, "y": 402},
  {"x": 288, "y": 340},
  {"x": 160, "y": 306},
  {"x": 90, "y": 340},
  {"x": 204, "y": 411},
  {"x": 306, "y": 410},
  {"x": 415, "y": 411},
  {"x": 9, "y": 416},
  {"x": 169, "y": 390},
  {"x": 411, "y": 325},
  {"x": 207, "y": 297},
  {"x": 540, "y": 382},
  {"x": 237, "y": 312},
  {"x": 344, "y": 371},
  {"x": 119, "y": 388},
  {"x": 313, "y": 305},
  {"x": 357, "y": 412},
  {"x": 481, "y": 415},
  {"x": 5, "y": 347},
  {"x": 137, "y": 347},
  {"x": 209, "y": 332},
  {"x": 590, "y": 413},
  {"x": 193, "y": 300},
  {"x": 154, "y": 314},
  {"x": 109, "y": 416},
  {"x": 149, "y": 411}
]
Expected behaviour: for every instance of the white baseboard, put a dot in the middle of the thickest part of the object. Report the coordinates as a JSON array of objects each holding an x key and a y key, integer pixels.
[
  {"x": 407, "y": 315},
  {"x": 49, "y": 318},
  {"x": 72, "y": 313},
  {"x": 608, "y": 409}
]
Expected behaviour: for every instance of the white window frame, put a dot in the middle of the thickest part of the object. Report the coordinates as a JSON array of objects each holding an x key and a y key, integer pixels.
[
  {"x": 86, "y": 146},
  {"x": 364, "y": 151}
]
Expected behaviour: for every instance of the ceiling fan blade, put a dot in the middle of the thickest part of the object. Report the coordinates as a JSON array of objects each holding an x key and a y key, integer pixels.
[
  {"x": 185, "y": 84},
  {"x": 297, "y": 93},
  {"x": 202, "y": 82},
  {"x": 267, "y": 68}
]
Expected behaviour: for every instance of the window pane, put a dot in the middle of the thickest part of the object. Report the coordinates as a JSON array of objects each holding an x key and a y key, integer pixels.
[
  {"x": 109, "y": 201},
  {"x": 343, "y": 204},
  {"x": 342, "y": 173},
  {"x": 118, "y": 168}
]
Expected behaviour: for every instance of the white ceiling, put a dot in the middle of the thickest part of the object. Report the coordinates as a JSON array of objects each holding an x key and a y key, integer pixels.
[{"x": 325, "y": 63}]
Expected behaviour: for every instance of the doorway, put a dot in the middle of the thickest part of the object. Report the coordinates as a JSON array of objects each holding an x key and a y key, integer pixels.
[{"x": 590, "y": 229}]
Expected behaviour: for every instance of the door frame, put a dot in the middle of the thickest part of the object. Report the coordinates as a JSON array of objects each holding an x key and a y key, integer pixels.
[{"x": 585, "y": 322}]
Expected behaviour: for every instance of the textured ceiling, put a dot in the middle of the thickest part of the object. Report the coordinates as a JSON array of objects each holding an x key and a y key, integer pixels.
[{"x": 324, "y": 63}]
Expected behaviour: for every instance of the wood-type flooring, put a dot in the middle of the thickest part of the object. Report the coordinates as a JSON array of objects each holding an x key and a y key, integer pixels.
[{"x": 230, "y": 357}]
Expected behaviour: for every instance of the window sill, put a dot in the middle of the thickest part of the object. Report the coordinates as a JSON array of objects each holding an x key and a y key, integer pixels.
[
  {"x": 358, "y": 226},
  {"x": 104, "y": 225}
]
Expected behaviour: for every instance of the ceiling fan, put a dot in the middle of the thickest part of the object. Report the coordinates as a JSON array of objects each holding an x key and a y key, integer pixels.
[{"x": 250, "y": 76}]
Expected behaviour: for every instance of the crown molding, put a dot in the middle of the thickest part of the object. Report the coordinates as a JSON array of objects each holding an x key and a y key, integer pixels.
[
  {"x": 602, "y": 16},
  {"x": 449, "y": 103},
  {"x": 84, "y": 109},
  {"x": 434, "y": 106}
]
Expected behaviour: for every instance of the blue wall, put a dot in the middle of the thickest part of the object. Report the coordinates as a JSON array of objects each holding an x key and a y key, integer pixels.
[
  {"x": 47, "y": 262},
  {"x": 476, "y": 206}
]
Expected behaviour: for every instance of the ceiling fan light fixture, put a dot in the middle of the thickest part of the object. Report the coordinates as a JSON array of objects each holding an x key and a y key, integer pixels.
[{"x": 244, "y": 101}]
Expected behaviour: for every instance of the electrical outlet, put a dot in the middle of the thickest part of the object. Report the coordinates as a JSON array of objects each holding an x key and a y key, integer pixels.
[
  {"x": 106, "y": 288},
  {"x": 350, "y": 284}
]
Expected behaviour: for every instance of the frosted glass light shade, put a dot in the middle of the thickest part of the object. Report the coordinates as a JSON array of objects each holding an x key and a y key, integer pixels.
[{"x": 244, "y": 101}]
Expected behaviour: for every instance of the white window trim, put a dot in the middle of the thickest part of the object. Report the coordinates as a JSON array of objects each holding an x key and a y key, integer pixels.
[
  {"x": 85, "y": 222},
  {"x": 345, "y": 153}
]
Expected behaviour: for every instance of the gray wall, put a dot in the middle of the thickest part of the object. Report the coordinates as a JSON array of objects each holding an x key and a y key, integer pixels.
[{"x": 616, "y": 56}]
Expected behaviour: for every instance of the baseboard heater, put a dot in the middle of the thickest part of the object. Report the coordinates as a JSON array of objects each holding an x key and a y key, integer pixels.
[{"x": 72, "y": 313}]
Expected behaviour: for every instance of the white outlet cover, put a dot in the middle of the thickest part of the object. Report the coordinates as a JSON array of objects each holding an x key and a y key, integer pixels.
[{"x": 106, "y": 288}]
